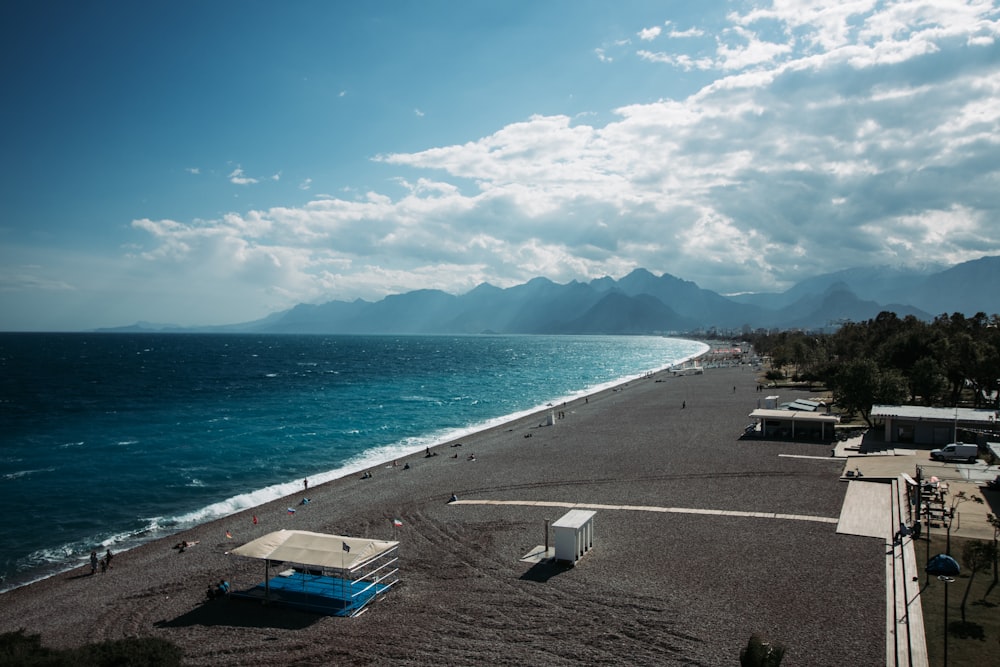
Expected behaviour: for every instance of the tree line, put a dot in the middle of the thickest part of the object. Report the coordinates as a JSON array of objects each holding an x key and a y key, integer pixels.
[{"x": 953, "y": 360}]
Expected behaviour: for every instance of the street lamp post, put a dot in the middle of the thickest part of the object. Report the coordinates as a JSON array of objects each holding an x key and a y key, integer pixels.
[{"x": 945, "y": 568}]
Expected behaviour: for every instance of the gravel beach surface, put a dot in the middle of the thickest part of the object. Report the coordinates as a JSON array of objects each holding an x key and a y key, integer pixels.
[{"x": 658, "y": 588}]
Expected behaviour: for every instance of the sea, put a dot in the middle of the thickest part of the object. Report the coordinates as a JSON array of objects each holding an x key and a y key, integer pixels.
[{"x": 111, "y": 440}]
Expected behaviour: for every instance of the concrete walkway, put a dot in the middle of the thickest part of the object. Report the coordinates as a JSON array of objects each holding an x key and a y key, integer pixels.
[
  {"x": 866, "y": 510},
  {"x": 648, "y": 508}
]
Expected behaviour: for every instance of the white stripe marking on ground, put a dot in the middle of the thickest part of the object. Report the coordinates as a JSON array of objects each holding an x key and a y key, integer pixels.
[
  {"x": 647, "y": 508},
  {"x": 839, "y": 459}
]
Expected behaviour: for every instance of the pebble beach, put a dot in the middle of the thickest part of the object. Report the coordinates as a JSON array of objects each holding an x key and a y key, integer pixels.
[{"x": 679, "y": 587}]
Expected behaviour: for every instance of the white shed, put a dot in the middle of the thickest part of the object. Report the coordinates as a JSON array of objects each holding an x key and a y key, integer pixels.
[{"x": 574, "y": 535}]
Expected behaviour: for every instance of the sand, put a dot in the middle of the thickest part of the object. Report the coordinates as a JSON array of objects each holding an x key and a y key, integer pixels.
[{"x": 657, "y": 589}]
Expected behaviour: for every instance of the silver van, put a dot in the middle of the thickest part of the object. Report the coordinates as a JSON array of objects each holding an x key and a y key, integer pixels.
[{"x": 956, "y": 451}]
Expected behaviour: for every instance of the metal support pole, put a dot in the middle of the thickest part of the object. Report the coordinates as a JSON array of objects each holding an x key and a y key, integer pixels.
[
  {"x": 945, "y": 624},
  {"x": 927, "y": 557}
]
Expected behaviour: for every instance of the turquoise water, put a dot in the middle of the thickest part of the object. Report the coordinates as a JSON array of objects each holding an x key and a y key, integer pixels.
[{"x": 109, "y": 440}]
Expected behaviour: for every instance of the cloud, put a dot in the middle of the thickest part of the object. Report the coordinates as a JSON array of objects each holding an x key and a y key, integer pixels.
[
  {"x": 649, "y": 34},
  {"x": 239, "y": 178},
  {"x": 824, "y": 137},
  {"x": 684, "y": 34}
]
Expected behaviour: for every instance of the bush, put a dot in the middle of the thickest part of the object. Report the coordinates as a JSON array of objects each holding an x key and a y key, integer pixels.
[
  {"x": 761, "y": 654},
  {"x": 17, "y": 648}
]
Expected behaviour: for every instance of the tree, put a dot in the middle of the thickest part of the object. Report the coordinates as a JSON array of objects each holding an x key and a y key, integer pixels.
[
  {"x": 976, "y": 555},
  {"x": 995, "y": 522},
  {"x": 860, "y": 384},
  {"x": 927, "y": 381}
]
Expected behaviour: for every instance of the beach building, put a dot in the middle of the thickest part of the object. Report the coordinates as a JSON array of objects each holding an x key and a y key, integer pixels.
[
  {"x": 918, "y": 425},
  {"x": 794, "y": 424},
  {"x": 328, "y": 574}
]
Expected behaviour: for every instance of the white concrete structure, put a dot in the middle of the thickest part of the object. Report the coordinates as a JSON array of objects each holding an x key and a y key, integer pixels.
[
  {"x": 795, "y": 424},
  {"x": 574, "y": 535},
  {"x": 932, "y": 426}
]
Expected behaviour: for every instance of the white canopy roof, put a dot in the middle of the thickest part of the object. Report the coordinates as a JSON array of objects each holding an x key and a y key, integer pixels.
[
  {"x": 796, "y": 415},
  {"x": 316, "y": 549}
]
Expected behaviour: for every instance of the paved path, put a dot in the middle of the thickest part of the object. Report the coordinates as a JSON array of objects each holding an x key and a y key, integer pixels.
[
  {"x": 867, "y": 510},
  {"x": 648, "y": 508}
]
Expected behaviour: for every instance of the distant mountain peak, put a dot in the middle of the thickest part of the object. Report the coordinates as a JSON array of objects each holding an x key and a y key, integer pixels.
[{"x": 641, "y": 302}]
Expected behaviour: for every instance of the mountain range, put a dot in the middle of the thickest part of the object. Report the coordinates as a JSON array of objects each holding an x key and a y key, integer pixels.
[{"x": 643, "y": 303}]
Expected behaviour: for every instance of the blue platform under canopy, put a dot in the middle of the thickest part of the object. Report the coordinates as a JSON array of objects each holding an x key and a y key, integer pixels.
[{"x": 327, "y": 574}]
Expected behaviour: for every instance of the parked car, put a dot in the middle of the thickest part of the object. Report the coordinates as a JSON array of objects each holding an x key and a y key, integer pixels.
[{"x": 956, "y": 451}]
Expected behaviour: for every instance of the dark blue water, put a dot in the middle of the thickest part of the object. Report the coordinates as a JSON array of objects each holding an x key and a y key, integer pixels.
[{"x": 110, "y": 440}]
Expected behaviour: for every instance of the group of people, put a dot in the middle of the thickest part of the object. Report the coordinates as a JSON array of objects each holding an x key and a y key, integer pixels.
[
  {"x": 103, "y": 563},
  {"x": 219, "y": 590}
]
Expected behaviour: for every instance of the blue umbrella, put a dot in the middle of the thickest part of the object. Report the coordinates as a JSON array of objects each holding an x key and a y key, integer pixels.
[{"x": 943, "y": 565}]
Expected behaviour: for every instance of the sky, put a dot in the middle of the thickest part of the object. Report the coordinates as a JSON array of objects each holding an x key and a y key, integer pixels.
[{"x": 199, "y": 163}]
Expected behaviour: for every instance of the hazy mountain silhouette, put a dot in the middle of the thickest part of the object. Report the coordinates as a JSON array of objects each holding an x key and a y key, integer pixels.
[{"x": 643, "y": 303}]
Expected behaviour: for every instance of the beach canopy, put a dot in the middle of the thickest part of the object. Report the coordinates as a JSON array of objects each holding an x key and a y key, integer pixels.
[{"x": 315, "y": 549}]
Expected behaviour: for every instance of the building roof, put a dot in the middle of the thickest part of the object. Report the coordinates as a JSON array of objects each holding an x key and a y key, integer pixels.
[
  {"x": 919, "y": 412},
  {"x": 802, "y": 404},
  {"x": 796, "y": 415},
  {"x": 316, "y": 549}
]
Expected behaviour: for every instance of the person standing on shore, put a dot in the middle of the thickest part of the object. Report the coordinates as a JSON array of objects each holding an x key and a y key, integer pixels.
[
  {"x": 93, "y": 562},
  {"x": 305, "y": 484}
]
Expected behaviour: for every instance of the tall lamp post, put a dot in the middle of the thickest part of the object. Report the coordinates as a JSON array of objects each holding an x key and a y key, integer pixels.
[{"x": 945, "y": 568}]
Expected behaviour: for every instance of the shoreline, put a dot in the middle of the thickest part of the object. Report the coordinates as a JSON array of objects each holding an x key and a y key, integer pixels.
[
  {"x": 367, "y": 460},
  {"x": 657, "y": 588}
]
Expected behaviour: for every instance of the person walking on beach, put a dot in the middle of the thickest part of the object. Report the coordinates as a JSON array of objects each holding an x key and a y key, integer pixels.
[
  {"x": 93, "y": 562},
  {"x": 107, "y": 557},
  {"x": 305, "y": 484}
]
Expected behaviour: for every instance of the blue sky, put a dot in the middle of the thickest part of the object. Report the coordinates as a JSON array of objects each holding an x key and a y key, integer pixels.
[{"x": 209, "y": 163}]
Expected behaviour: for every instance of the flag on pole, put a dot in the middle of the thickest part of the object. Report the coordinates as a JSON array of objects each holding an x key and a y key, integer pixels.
[
  {"x": 346, "y": 546},
  {"x": 397, "y": 523}
]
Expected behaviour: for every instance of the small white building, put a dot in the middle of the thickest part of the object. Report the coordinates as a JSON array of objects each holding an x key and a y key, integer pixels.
[{"x": 574, "y": 535}]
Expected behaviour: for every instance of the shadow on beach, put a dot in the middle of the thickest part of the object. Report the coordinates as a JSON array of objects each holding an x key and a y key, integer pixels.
[
  {"x": 242, "y": 614},
  {"x": 542, "y": 572}
]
